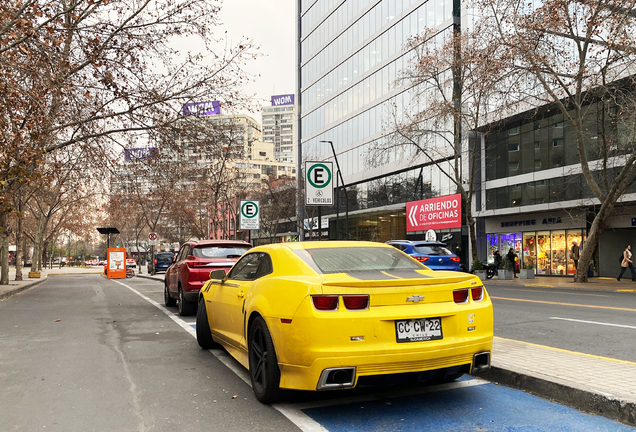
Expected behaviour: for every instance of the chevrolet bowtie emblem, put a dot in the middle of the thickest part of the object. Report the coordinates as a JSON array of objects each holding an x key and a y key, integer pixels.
[{"x": 415, "y": 298}]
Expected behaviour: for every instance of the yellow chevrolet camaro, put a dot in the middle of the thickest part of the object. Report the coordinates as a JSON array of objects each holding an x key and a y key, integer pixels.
[{"x": 330, "y": 315}]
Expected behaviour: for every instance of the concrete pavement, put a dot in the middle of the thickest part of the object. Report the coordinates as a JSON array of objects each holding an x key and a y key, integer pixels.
[{"x": 595, "y": 384}]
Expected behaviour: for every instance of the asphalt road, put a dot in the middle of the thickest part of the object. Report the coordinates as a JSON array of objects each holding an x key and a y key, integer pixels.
[
  {"x": 600, "y": 323},
  {"x": 117, "y": 360}
]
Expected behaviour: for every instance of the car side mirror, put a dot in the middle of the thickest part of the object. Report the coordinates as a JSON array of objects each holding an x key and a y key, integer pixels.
[{"x": 217, "y": 274}]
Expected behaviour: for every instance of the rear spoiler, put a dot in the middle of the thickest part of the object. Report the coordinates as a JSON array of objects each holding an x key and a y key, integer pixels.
[{"x": 348, "y": 281}]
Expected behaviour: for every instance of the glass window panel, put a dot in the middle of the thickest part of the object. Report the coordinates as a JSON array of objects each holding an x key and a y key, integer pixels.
[
  {"x": 529, "y": 253},
  {"x": 559, "y": 258},
  {"x": 544, "y": 253},
  {"x": 574, "y": 242},
  {"x": 493, "y": 245}
]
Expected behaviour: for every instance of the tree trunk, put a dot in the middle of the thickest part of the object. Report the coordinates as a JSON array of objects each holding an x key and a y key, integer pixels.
[
  {"x": 37, "y": 244},
  {"x": 19, "y": 250},
  {"x": 592, "y": 240},
  {"x": 4, "y": 248}
]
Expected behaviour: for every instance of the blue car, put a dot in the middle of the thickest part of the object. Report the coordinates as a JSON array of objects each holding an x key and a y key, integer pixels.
[
  {"x": 163, "y": 260},
  {"x": 433, "y": 255}
]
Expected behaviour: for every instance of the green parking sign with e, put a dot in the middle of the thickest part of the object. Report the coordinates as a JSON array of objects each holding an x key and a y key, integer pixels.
[
  {"x": 319, "y": 183},
  {"x": 250, "y": 217}
]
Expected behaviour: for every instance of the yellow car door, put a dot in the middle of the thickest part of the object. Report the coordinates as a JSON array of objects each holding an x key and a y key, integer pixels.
[{"x": 227, "y": 306}]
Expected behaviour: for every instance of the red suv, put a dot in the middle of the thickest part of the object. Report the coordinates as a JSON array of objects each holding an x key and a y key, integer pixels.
[{"x": 191, "y": 269}]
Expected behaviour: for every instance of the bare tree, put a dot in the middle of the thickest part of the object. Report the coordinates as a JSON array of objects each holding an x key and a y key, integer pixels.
[
  {"x": 83, "y": 72},
  {"x": 452, "y": 82},
  {"x": 580, "y": 57}
]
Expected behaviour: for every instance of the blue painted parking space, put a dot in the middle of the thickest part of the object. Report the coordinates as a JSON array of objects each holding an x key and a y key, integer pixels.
[{"x": 486, "y": 407}]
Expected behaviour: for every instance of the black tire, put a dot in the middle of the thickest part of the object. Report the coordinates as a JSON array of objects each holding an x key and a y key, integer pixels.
[
  {"x": 263, "y": 363},
  {"x": 204, "y": 336},
  {"x": 490, "y": 273},
  {"x": 167, "y": 300},
  {"x": 186, "y": 308}
]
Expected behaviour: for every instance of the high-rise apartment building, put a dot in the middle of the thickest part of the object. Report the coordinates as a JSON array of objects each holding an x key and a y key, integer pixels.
[{"x": 278, "y": 127}]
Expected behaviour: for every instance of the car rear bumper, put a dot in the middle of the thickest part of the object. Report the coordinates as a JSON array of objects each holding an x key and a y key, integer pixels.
[{"x": 309, "y": 378}]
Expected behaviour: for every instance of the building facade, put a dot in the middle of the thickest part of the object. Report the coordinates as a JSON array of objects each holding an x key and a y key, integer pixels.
[
  {"x": 350, "y": 56},
  {"x": 279, "y": 122},
  {"x": 531, "y": 194}
]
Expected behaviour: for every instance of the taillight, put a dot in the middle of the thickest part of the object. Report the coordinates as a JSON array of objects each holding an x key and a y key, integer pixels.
[
  {"x": 356, "y": 302},
  {"x": 197, "y": 263},
  {"x": 325, "y": 302},
  {"x": 155, "y": 260},
  {"x": 460, "y": 296},
  {"x": 454, "y": 258},
  {"x": 477, "y": 293},
  {"x": 422, "y": 259}
]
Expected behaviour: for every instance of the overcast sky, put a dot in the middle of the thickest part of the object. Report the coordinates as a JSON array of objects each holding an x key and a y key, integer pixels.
[{"x": 271, "y": 23}]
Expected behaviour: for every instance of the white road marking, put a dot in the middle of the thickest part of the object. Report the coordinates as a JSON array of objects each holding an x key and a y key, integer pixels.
[
  {"x": 594, "y": 322},
  {"x": 294, "y": 413}
]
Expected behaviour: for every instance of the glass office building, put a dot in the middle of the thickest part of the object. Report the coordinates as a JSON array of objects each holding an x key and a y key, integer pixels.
[{"x": 350, "y": 55}]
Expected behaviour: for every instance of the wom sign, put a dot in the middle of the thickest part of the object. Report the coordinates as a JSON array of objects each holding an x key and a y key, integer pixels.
[
  {"x": 287, "y": 99},
  {"x": 435, "y": 213},
  {"x": 202, "y": 108}
]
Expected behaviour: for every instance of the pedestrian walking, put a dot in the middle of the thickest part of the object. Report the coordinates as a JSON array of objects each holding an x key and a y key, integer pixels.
[
  {"x": 575, "y": 254},
  {"x": 627, "y": 262},
  {"x": 512, "y": 257}
]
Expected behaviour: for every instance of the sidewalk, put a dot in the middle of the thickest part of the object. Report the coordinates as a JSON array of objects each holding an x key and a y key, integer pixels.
[
  {"x": 594, "y": 384},
  {"x": 15, "y": 287}
]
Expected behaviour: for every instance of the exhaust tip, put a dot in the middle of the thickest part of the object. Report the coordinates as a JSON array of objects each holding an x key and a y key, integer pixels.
[
  {"x": 481, "y": 362},
  {"x": 337, "y": 378}
]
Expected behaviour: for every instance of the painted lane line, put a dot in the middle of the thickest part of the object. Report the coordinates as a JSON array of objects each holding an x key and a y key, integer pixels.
[
  {"x": 564, "y": 304},
  {"x": 567, "y": 351},
  {"x": 296, "y": 416},
  {"x": 594, "y": 322}
]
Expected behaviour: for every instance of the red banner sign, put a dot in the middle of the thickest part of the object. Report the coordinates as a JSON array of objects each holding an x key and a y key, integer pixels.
[{"x": 435, "y": 213}]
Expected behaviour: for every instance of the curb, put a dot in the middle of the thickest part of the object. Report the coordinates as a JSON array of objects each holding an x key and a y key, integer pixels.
[
  {"x": 148, "y": 277},
  {"x": 7, "y": 294},
  {"x": 587, "y": 401}
]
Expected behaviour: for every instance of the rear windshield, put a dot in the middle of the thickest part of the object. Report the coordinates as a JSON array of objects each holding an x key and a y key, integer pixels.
[
  {"x": 350, "y": 259},
  {"x": 431, "y": 250},
  {"x": 219, "y": 251},
  {"x": 164, "y": 256}
]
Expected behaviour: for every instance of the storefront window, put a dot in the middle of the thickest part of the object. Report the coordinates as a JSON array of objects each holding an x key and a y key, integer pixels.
[
  {"x": 573, "y": 236},
  {"x": 543, "y": 252},
  {"x": 529, "y": 249},
  {"x": 493, "y": 245},
  {"x": 507, "y": 241},
  {"x": 559, "y": 257}
]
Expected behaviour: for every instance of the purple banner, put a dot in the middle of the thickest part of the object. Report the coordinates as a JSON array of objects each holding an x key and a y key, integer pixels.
[
  {"x": 136, "y": 154},
  {"x": 287, "y": 99},
  {"x": 202, "y": 108}
]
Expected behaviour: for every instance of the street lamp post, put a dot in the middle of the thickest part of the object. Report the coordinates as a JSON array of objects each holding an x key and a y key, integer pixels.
[{"x": 339, "y": 180}]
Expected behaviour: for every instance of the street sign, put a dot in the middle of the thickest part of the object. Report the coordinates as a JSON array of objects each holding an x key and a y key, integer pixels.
[
  {"x": 318, "y": 183},
  {"x": 152, "y": 239},
  {"x": 250, "y": 215}
]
